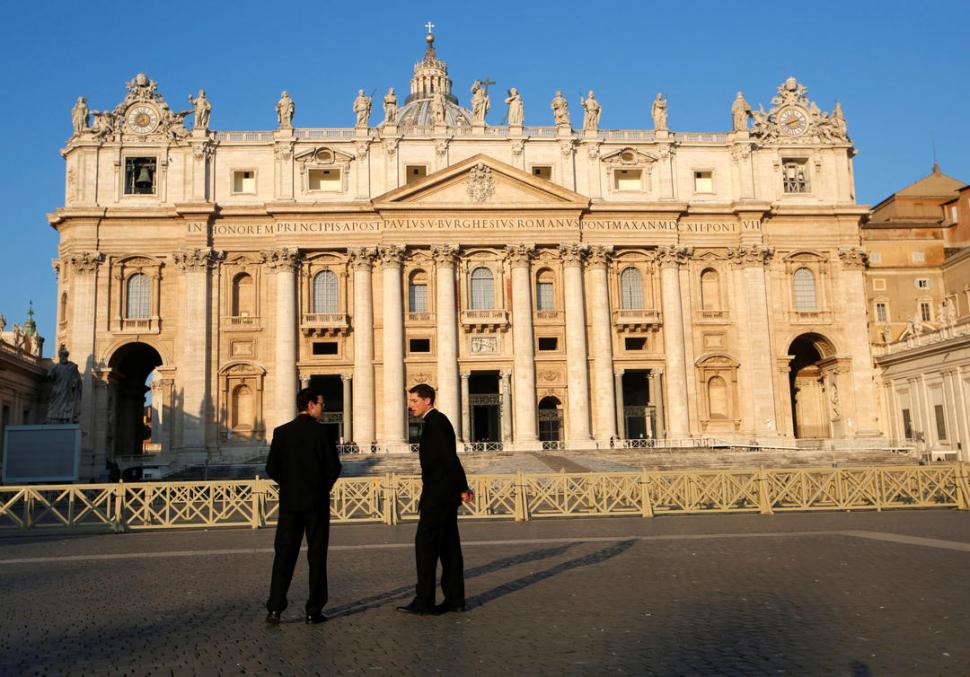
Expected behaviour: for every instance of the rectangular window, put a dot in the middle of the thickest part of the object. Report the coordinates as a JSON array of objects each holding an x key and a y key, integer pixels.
[
  {"x": 419, "y": 345},
  {"x": 704, "y": 181},
  {"x": 635, "y": 343},
  {"x": 244, "y": 181},
  {"x": 907, "y": 425},
  {"x": 542, "y": 171},
  {"x": 918, "y": 257},
  {"x": 628, "y": 179},
  {"x": 324, "y": 180},
  {"x": 548, "y": 343},
  {"x": 922, "y": 283},
  {"x": 953, "y": 214},
  {"x": 544, "y": 296},
  {"x": 418, "y": 298},
  {"x": 879, "y": 284},
  {"x": 140, "y": 175},
  {"x": 926, "y": 311},
  {"x": 414, "y": 173},
  {"x": 882, "y": 312},
  {"x": 324, "y": 347},
  {"x": 940, "y": 422},
  {"x": 795, "y": 176}
]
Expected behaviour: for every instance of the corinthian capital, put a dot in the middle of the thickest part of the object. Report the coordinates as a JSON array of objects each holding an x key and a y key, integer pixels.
[
  {"x": 85, "y": 262},
  {"x": 573, "y": 253},
  {"x": 283, "y": 259},
  {"x": 673, "y": 255},
  {"x": 362, "y": 258},
  {"x": 520, "y": 254},
  {"x": 444, "y": 254},
  {"x": 195, "y": 260},
  {"x": 391, "y": 254},
  {"x": 752, "y": 255},
  {"x": 600, "y": 255},
  {"x": 853, "y": 258}
]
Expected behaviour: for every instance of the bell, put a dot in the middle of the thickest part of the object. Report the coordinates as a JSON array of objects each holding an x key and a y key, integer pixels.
[{"x": 144, "y": 179}]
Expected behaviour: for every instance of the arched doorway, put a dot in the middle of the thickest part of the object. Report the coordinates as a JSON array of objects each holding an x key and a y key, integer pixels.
[
  {"x": 550, "y": 419},
  {"x": 131, "y": 366},
  {"x": 811, "y": 415}
]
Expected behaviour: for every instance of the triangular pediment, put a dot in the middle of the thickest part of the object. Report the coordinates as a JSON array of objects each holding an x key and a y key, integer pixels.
[{"x": 481, "y": 182}]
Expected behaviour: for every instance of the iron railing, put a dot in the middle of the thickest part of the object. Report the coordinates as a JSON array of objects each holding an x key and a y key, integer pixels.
[{"x": 391, "y": 499}]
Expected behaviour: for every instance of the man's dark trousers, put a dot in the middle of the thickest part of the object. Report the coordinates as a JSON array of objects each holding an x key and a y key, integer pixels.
[
  {"x": 437, "y": 537},
  {"x": 289, "y": 535}
]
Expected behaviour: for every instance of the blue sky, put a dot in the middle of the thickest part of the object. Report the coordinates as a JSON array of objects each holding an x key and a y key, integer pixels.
[{"x": 900, "y": 70}]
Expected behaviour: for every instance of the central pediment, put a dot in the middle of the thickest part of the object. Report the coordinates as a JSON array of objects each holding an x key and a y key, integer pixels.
[{"x": 481, "y": 183}]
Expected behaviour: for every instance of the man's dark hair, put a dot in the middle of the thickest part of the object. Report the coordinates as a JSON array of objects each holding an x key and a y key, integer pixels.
[
  {"x": 424, "y": 391},
  {"x": 305, "y": 397}
]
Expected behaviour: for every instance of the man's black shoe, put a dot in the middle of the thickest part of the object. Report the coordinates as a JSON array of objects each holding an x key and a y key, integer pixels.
[
  {"x": 445, "y": 607},
  {"x": 316, "y": 619},
  {"x": 412, "y": 608},
  {"x": 273, "y": 617}
]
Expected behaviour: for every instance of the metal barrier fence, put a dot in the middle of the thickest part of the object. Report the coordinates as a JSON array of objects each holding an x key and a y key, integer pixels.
[{"x": 391, "y": 499}]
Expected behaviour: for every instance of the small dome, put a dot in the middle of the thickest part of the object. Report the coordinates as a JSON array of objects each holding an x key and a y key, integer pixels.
[{"x": 417, "y": 113}]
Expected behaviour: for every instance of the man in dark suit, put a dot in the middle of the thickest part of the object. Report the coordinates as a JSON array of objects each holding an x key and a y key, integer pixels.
[
  {"x": 303, "y": 461},
  {"x": 444, "y": 487}
]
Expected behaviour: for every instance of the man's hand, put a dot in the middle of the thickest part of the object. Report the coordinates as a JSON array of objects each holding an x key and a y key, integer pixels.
[{"x": 467, "y": 496}]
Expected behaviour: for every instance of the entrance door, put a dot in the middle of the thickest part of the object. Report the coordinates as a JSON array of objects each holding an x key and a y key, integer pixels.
[
  {"x": 550, "y": 419},
  {"x": 332, "y": 388},
  {"x": 637, "y": 413},
  {"x": 485, "y": 406}
]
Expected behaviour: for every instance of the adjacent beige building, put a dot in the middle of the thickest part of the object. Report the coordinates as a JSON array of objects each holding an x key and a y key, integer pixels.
[{"x": 559, "y": 286}]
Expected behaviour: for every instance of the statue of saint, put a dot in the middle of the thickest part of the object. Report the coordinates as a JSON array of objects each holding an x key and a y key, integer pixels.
[
  {"x": 284, "y": 111},
  {"x": 79, "y": 115},
  {"x": 591, "y": 118},
  {"x": 740, "y": 112},
  {"x": 362, "y": 105},
  {"x": 438, "y": 108},
  {"x": 64, "y": 405},
  {"x": 659, "y": 113},
  {"x": 480, "y": 103},
  {"x": 104, "y": 123},
  {"x": 838, "y": 122},
  {"x": 3, "y": 322},
  {"x": 560, "y": 110},
  {"x": 760, "y": 116},
  {"x": 390, "y": 107},
  {"x": 202, "y": 109},
  {"x": 516, "y": 115}
]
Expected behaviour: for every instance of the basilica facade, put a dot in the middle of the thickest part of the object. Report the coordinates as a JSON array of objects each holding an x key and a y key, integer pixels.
[{"x": 562, "y": 286}]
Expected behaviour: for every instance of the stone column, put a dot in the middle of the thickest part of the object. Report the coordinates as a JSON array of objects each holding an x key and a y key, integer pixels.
[
  {"x": 618, "y": 388},
  {"x": 506, "y": 406},
  {"x": 348, "y": 415},
  {"x": 446, "y": 324},
  {"x": 856, "y": 334},
  {"x": 285, "y": 262},
  {"x": 362, "y": 262},
  {"x": 523, "y": 371},
  {"x": 465, "y": 408},
  {"x": 577, "y": 363},
  {"x": 84, "y": 307},
  {"x": 657, "y": 400},
  {"x": 604, "y": 394},
  {"x": 671, "y": 258},
  {"x": 395, "y": 403}
]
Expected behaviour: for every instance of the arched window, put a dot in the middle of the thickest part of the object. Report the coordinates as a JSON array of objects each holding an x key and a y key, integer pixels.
[
  {"x": 243, "y": 296},
  {"x": 545, "y": 299},
  {"x": 631, "y": 289},
  {"x": 418, "y": 292},
  {"x": 138, "y": 297},
  {"x": 805, "y": 290},
  {"x": 710, "y": 290},
  {"x": 242, "y": 408},
  {"x": 550, "y": 419},
  {"x": 717, "y": 397},
  {"x": 325, "y": 292},
  {"x": 483, "y": 290}
]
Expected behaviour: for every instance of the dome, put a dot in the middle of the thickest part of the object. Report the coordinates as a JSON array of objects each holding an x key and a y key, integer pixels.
[{"x": 417, "y": 113}]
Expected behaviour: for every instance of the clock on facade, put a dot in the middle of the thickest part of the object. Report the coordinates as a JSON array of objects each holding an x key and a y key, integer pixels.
[
  {"x": 792, "y": 121},
  {"x": 142, "y": 118}
]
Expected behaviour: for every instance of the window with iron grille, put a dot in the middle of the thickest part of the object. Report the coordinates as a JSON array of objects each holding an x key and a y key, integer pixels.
[
  {"x": 325, "y": 292},
  {"x": 418, "y": 297},
  {"x": 926, "y": 311},
  {"x": 631, "y": 289},
  {"x": 804, "y": 281},
  {"x": 544, "y": 296},
  {"x": 795, "y": 176},
  {"x": 882, "y": 312},
  {"x": 138, "y": 297},
  {"x": 483, "y": 291}
]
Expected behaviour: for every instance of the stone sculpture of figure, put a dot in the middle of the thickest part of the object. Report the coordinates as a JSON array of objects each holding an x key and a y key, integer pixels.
[
  {"x": 284, "y": 111},
  {"x": 104, "y": 123},
  {"x": 3, "y": 322},
  {"x": 917, "y": 323},
  {"x": 591, "y": 118},
  {"x": 838, "y": 121},
  {"x": 948, "y": 313},
  {"x": 79, "y": 115},
  {"x": 202, "y": 109},
  {"x": 560, "y": 110},
  {"x": 64, "y": 405},
  {"x": 362, "y": 105},
  {"x": 480, "y": 103},
  {"x": 659, "y": 113},
  {"x": 390, "y": 107},
  {"x": 740, "y": 112},
  {"x": 516, "y": 115},
  {"x": 438, "y": 108},
  {"x": 760, "y": 121}
]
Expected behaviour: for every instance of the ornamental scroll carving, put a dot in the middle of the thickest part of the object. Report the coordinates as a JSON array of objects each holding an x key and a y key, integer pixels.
[
  {"x": 517, "y": 147},
  {"x": 573, "y": 253},
  {"x": 195, "y": 260},
  {"x": 444, "y": 254},
  {"x": 853, "y": 258},
  {"x": 600, "y": 255},
  {"x": 481, "y": 184},
  {"x": 362, "y": 258},
  {"x": 283, "y": 259},
  {"x": 520, "y": 254},
  {"x": 794, "y": 118},
  {"x": 391, "y": 255},
  {"x": 751, "y": 255},
  {"x": 85, "y": 262},
  {"x": 673, "y": 255}
]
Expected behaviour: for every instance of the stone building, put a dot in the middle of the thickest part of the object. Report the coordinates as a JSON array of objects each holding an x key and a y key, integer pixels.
[
  {"x": 23, "y": 372},
  {"x": 559, "y": 286}
]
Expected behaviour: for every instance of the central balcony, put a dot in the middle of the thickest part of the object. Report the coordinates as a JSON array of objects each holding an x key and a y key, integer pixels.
[
  {"x": 485, "y": 320},
  {"x": 640, "y": 319},
  {"x": 324, "y": 324}
]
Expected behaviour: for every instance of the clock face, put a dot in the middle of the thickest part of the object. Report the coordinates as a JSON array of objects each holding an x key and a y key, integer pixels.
[
  {"x": 793, "y": 122},
  {"x": 142, "y": 118}
]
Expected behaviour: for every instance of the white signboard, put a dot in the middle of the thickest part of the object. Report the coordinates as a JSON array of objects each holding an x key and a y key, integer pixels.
[{"x": 41, "y": 453}]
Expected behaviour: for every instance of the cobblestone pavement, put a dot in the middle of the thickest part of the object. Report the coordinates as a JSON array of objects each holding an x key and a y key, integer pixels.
[{"x": 813, "y": 594}]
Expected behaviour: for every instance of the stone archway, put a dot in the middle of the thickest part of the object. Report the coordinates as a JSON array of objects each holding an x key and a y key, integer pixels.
[
  {"x": 550, "y": 419},
  {"x": 131, "y": 365},
  {"x": 811, "y": 412}
]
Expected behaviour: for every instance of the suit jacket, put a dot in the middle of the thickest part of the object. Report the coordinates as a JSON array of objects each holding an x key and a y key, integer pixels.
[
  {"x": 303, "y": 460},
  {"x": 442, "y": 477}
]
